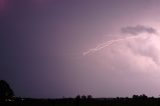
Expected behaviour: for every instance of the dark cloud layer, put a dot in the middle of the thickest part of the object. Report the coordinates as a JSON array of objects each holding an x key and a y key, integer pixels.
[{"x": 135, "y": 30}]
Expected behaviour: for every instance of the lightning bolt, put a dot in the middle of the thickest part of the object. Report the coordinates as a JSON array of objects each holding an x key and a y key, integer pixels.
[{"x": 106, "y": 44}]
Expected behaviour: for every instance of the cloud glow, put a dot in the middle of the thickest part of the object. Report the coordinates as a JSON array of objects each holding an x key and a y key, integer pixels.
[{"x": 138, "y": 31}]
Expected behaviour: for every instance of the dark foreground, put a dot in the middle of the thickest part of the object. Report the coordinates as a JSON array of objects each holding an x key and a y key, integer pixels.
[{"x": 83, "y": 102}]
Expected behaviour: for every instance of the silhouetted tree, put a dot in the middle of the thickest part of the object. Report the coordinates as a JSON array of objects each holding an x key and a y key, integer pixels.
[
  {"x": 84, "y": 97},
  {"x": 135, "y": 96},
  {"x": 5, "y": 90},
  {"x": 89, "y": 97},
  {"x": 143, "y": 96},
  {"x": 78, "y": 97}
]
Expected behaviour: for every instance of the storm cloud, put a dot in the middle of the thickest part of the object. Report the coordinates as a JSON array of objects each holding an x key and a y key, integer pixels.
[
  {"x": 138, "y": 29},
  {"x": 135, "y": 31}
]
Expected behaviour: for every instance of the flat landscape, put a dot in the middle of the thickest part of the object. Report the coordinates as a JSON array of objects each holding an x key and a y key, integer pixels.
[{"x": 140, "y": 101}]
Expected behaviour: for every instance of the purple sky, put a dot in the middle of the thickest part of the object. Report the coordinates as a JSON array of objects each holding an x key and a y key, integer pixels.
[{"x": 56, "y": 48}]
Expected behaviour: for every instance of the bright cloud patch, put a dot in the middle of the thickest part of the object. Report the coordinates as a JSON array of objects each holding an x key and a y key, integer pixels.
[
  {"x": 139, "y": 53},
  {"x": 138, "y": 30}
]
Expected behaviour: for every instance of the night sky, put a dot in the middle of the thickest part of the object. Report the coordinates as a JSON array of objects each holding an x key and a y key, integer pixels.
[{"x": 103, "y": 48}]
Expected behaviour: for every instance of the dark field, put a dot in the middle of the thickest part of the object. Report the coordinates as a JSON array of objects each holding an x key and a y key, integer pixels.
[{"x": 83, "y": 102}]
